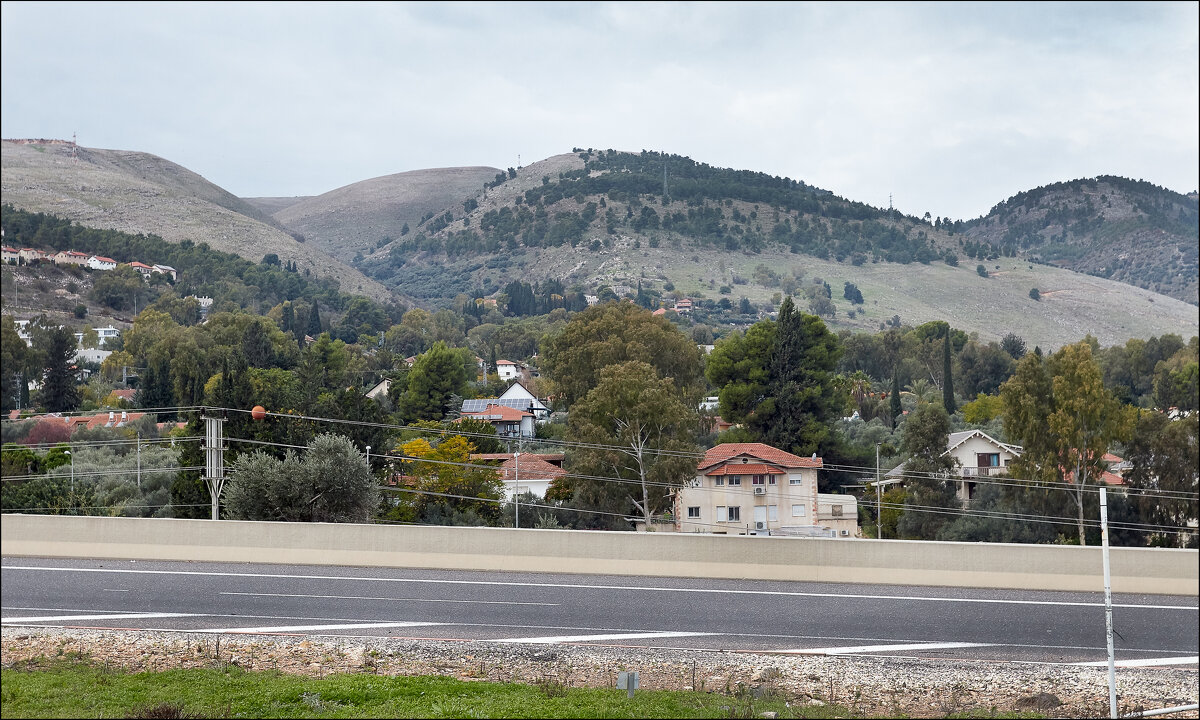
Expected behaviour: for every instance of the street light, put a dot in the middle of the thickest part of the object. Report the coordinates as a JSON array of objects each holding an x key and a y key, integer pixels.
[
  {"x": 368, "y": 457},
  {"x": 68, "y": 452}
]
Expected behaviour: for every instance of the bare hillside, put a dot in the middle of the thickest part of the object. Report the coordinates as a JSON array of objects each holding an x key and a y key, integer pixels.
[
  {"x": 272, "y": 205},
  {"x": 359, "y": 217},
  {"x": 141, "y": 193}
]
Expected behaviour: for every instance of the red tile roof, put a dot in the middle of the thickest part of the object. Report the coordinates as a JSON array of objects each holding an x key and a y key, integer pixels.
[
  {"x": 502, "y": 413},
  {"x": 759, "y": 451},
  {"x": 531, "y": 468},
  {"x": 746, "y": 469}
]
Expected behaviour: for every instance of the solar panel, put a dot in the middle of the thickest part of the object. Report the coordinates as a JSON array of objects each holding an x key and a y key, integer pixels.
[{"x": 475, "y": 405}]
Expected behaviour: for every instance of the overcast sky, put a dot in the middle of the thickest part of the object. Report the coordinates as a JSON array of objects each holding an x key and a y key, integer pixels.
[{"x": 951, "y": 108}]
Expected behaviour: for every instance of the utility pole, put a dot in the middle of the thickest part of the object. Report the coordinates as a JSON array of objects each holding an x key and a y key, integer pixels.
[
  {"x": 139, "y": 460},
  {"x": 878, "y": 498},
  {"x": 517, "y": 490},
  {"x": 1108, "y": 628},
  {"x": 214, "y": 458}
]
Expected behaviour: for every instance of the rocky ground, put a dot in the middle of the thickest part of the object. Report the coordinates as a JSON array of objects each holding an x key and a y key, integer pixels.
[{"x": 872, "y": 687}]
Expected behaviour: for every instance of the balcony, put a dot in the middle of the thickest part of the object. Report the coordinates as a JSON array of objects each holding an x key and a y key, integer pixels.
[{"x": 981, "y": 471}]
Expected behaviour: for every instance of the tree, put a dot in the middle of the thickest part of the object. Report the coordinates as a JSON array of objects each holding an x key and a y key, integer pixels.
[
  {"x": 635, "y": 430},
  {"x": 852, "y": 293},
  {"x": 436, "y": 377},
  {"x": 1060, "y": 412},
  {"x": 14, "y": 354},
  {"x": 926, "y": 471},
  {"x": 1013, "y": 345},
  {"x": 947, "y": 379},
  {"x": 981, "y": 271},
  {"x": 448, "y": 488},
  {"x": 154, "y": 389},
  {"x": 895, "y": 407},
  {"x": 1162, "y": 480},
  {"x": 314, "y": 321},
  {"x": 802, "y": 400},
  {"x": 56, "y": 347},
  {"x": 1034, "y": 294},
  {"x": 615, "y": 333},
  {"x": 331, "y": 483},
  {"x": 739, "y": 367}
]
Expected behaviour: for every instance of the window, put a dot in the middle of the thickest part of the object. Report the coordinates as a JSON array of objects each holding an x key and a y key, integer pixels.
[
  {"x": 694, "y": 512},
  {"x": 719, "y": 481},
  {"x": 735, "y": 513},
  {"x": 799, "y": 511},
  {"x": 721, "y": 514},
  {"x": 773, "y": 513},
  {"x": 835, "y": 510},
  {"x": 771, "y": 479},
  {"x": 760, "y": 480},
  {"x": 735, "y": 479},
  {"x": 795, "y": 480}
]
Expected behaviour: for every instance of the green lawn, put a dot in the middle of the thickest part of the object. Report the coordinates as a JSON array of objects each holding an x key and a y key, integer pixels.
[{"x": 65, "y": 689}]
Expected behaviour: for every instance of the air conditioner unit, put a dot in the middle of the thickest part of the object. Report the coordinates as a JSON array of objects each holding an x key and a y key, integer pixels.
[
  {"x": 760, "y": 526},
  {"x": 760, "y": 491},
  {"x": 845, "y": 533}
]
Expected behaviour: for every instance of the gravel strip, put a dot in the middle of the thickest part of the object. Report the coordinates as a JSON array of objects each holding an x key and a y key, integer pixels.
[{"x": 870, "y": 686}]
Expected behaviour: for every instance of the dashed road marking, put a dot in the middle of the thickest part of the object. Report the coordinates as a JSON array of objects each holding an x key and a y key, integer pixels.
[
  {"x": 391, "y": 599},
  {"x": 308, "y": 628},
  {"x": 859, "y": 649},
  {"x": 595, "y": 638},
  {"x": 112, "y": 616},
  {"x": 1148, "y": 662}
]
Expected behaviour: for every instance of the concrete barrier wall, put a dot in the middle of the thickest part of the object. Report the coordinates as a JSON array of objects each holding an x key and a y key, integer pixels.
[{"x": 898, "y": 562}]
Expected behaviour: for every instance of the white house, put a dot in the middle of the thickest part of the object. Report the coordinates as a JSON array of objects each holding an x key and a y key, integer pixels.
[
  {"x": 509, "y": 422},
  {"x": 508, "y": 370},
  {"x": 8, "y": 254},
  {"x": 528, "y": 472},
  {"x": 976, "y": 454},
  {"x": 756, "y": 489},
  {"x": 97, "y": 262},
  {"x": 168, "y": 271},
  {"x": 517, "y": 391},
  {"x": 107, "y": 333}
]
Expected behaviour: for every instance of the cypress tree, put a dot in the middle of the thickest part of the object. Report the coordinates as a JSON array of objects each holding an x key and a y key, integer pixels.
[
  {"x": 894, "y": 406},
  {"x": 314, "y": 321},
  {"x": 947, "y": 378}
]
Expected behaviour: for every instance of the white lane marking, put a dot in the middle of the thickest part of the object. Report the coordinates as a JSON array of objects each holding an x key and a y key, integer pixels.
[
  {"x": 1150, "y": 662},
  {"x": 855, "y": 649},
  {"x": 591, "y": 638},
  {"x": 359, "y": 597},
  {"x": 112, "y": 590},
  {"x": 112, "y": 616},
  {"x": 782, "y": 593},
  {"x": 305, "y": 628}
]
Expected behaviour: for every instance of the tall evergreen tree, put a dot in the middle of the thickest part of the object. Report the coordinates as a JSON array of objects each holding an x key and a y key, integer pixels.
[
  {"x": 895, "y": 407},
  {"x": 947, "y": 377},
  {"x": 59, "y": 392},
  {"x": 155, "y": 389},
  {"x": 314, "y": 321},
  {"x": 801, "y": 398}
]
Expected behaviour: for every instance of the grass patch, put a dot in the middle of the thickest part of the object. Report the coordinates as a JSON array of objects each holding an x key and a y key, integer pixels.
[{"x": 63, "y": 689}]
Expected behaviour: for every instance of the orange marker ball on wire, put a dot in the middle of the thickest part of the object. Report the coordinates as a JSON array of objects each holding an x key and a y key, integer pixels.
[{"x": 258, "y": 412}]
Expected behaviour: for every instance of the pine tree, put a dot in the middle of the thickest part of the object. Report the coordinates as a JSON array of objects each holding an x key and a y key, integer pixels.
[
  {"x": 314, "y": 321},
  {"x": 947, "y": 378},
  {"x": 59, "y": 393}
]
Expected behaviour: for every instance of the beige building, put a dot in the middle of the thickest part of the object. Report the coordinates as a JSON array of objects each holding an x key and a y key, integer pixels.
[{"x": 755, "y": 489}]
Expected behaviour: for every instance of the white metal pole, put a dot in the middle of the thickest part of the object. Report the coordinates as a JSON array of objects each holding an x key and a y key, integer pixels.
[
  {"x": 1108, "y": 626},
  {"x": 878, "y": 498},
  {"x": 72, "y": 471},
  {"x": 139, "y": 460},
  {"x": 516, "y": 490}
]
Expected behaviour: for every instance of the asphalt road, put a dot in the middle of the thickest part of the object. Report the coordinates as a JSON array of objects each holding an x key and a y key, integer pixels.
[{"x": 731, "y": 615}]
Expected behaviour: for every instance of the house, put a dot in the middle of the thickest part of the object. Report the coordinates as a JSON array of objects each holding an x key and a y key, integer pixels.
[
  {"x": 509, "y": 422},
  {"x": 70, "y": 257},
  {"x": 168, "y": 271},
  {"x": 753, "y": 488},
  {"x": 976, "y": 454},
  {"x": 517, "y": 397},
  {"x": 528, "y": 472},
  {"x": 508, "y": 370},
  {"x": 683, "y": 306},
  {"x": 142, "y": 268},
  {"x": 31, "y": 256},
  {"x": 380, "y": 389},
  {"x": 97, "y": 262},
  {"x": 10, "y": 255},
  {"x": 106, "y": 334}
]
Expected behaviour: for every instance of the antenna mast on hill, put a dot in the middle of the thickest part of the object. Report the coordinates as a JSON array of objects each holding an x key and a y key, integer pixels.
[
  {"x": 74, "y": 148},
  {"x": 891, "y": 213}
]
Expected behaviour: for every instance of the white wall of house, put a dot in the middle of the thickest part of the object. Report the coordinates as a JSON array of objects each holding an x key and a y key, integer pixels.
[
  {"x": 735, "y": 504},
  {"x": 967, "y": 455}
]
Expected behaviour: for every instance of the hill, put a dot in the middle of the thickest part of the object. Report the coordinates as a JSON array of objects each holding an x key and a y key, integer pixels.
[
  {"x": 141, "y": 193},
  {"x": 590, "y": 220},
  {"x": 1127, "y": 230},
  {"x": 357, "y": 218}
]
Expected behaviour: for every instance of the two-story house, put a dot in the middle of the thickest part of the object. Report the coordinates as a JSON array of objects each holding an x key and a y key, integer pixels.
[
  {"x": 976, "y": 455},
  {"x": 756, "y": 489},
  {"x": 509, "y": 422}
]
